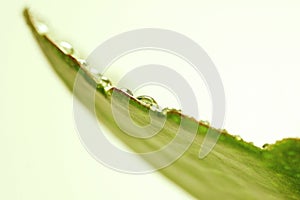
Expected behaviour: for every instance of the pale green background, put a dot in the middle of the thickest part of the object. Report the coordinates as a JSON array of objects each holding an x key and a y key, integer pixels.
[{"x": 254, "y": 44}]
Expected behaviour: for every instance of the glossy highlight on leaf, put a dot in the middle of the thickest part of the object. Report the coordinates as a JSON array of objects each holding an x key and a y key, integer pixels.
[{"x": 234, "y": 169}]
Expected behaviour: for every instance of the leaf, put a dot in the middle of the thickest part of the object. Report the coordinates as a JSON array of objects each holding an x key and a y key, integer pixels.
[{"x": 234, "y": 169}]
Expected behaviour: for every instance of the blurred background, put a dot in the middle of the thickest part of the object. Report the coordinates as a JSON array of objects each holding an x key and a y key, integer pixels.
[{"x": 255, "y": 46}]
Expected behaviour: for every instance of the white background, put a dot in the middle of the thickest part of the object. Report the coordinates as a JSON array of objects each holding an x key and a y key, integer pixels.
[{"x": 254, "y": 44}]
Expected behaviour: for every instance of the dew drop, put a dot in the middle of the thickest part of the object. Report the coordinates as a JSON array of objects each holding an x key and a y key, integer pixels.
[
  {"x": 127, "y": 91},
  {"x": 238, "y": 138},
  {"x": 147, "y": 100},
  {"x": 66, "y": 47},
  {"x": 156, "y": 108},
  {"x": 205, "y": 122},
  {"x": 102, "y": 81},
  {"x": 223, "y": 130},
  {"x": 42, "y": 28},
  {"x": 82, "y": 62},
  {"x": 165, "y": 111},
  {"x": 105, "y": 82},
  {"x": 109, "y": 90}
]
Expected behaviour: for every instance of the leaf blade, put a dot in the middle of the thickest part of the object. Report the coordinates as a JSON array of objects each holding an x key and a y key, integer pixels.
[{"x": 234, "y": 168}]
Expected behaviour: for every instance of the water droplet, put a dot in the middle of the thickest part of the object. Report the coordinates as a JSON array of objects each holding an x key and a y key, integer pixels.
[
  {"x": 165, "y": 111},
  {"x": 41, "y": 28},
  {"x": 147, "y": 100},
  {"x": 205, "y": 122},
  {"x": 66, "y": 47},
  {"x": 223, "y": 130},
  {"x": 105, "y": 82},
  {"x": 265, "y": 146},
  {"x": 237, "y": 137},
  {"x": 156, "y": 108},
  {"x": 82, "y": 62},
  {"x": 127, "y": 91},
  {"x": 102, "y": 81},
  {"x": 109, "y": 90}
]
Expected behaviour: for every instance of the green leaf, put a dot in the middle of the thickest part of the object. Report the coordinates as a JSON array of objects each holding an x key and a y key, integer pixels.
[{"x": 234, "y": 169}]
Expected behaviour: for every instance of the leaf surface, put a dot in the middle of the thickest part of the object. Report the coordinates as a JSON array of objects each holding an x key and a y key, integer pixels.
[{"x": 234, "y": 169}]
